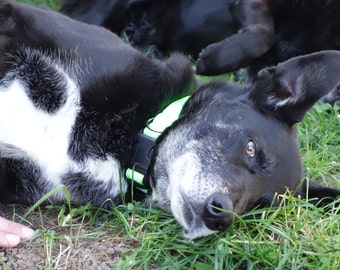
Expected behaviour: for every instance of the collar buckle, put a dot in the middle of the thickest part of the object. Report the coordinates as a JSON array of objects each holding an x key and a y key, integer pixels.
[{"x": 141, "y": 158}]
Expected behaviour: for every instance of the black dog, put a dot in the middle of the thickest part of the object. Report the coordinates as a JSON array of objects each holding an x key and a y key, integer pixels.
[
  {"x": 73, "y": 98},
  {"x": 235, "y": 146},
  {"x": 165, "y": 26},
  {"x": 230, "y": 34},
  {"x": 272, "y": 31}
]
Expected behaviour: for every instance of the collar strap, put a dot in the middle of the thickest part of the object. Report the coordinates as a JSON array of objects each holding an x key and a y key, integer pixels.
[
  {"x": 159, "y": 123},
  {"x": 146, "y": 141}
]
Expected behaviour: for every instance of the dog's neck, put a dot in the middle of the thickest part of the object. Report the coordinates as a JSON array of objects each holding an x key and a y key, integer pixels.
[{"x": 146, "y": 141}]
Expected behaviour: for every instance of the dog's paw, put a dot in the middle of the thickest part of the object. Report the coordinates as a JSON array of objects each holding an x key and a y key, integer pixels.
[
  {"x": 207, "y": 62},
  {"x": 218, "y": 58}
]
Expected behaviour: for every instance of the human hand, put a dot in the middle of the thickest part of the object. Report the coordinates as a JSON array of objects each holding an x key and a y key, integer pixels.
[{"x": 11, "y": 233}]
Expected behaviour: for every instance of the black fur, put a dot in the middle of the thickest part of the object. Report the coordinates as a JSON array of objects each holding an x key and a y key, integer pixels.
[
  {"x": 229, "y": 34},
  {"x": 235, "y": 146},
  {"x": 165, "y": 26},
  {"x": 119, "y": 90},
  {"x": 37, "y": 74},
  {"x": 73, "y": 98}
]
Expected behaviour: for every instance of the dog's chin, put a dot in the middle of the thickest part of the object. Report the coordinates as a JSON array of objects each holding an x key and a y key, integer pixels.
[
  {"x": 197, "y": 229},
  {"x": 192, "y": 223}
]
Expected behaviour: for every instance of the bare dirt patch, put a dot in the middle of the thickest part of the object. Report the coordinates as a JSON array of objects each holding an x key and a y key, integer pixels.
[{"x": 77, "y": 246}]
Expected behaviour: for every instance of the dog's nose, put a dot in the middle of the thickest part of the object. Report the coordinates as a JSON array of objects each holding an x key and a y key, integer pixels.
[{"x": 217, "y": 214}]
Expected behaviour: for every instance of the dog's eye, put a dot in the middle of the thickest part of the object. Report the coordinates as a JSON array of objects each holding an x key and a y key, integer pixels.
[{"x": 251, "y": 149}]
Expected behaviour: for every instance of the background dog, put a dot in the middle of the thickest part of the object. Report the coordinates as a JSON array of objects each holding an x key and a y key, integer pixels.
[{"x": 224, "y": 35}]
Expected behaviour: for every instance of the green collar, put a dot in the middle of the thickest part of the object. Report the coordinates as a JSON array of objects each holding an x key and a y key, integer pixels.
[
  {"x": 146, "y": 142},
  {"x": 160, "y": 122}
]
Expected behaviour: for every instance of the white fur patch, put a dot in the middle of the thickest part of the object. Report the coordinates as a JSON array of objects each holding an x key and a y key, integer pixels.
[
  {"x": 183, "y": 174},
  {"x": 197, "y": 232},
  {"x": 105, "y": 171},
  {"x": 43, "y": 137},
  {"x": 26, "y": 130}
]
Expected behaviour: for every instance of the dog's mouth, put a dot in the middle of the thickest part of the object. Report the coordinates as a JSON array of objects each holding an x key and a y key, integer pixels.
[
  {"x": 197, "y": 230},
  {"x": 199, "y": 220},
  {"x": 192, "y": 223}
]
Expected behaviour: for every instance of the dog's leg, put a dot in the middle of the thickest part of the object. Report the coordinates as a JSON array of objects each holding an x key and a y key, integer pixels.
[
  {"x": 318, "y": 194},
  {"x": 254, "y": 39}
]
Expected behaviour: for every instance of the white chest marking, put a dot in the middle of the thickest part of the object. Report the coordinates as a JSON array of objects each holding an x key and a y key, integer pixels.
[
  {"x": 26, "y": 130},
  {"x": 43, "y": 137}
]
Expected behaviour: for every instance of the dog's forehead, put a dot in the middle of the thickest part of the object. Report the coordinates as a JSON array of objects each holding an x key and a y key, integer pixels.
[
  {"x": 225, "y": 116},
  {"x": 217, "y": 128},
  {"x": 221, "y": 129}
]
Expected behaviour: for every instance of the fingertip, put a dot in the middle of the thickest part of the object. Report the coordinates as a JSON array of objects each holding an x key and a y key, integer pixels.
[
  {"x": 27, "y": 233},
  {"x": 12, "y": 240}
]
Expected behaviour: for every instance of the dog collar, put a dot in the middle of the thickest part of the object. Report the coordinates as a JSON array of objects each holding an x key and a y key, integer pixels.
[{"x": 146, "y": 141}]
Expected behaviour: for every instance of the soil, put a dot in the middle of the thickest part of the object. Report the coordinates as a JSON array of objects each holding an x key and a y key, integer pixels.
[{"x": 86, "y": 250}]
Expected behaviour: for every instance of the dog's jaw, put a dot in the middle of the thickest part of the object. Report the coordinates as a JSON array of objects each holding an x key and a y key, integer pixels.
[{"x": 173, "y": 198}]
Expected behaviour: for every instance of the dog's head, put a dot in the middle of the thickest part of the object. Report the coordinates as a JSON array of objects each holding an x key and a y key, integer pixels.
[{"x": 235, "y": 147}]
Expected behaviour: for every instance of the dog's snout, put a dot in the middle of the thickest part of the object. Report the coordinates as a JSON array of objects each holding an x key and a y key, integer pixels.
[{"x": 217, "y": 214}]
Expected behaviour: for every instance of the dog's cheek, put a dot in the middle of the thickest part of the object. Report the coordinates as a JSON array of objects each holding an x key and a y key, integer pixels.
[
  {"x": 159, "y": 181},
  {"x": 261, "y": 164},
  {"x": 159, "y": 195}
]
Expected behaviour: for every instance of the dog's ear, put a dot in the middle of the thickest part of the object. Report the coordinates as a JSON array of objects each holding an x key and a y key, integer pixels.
[{"x": 288, "y": 90}]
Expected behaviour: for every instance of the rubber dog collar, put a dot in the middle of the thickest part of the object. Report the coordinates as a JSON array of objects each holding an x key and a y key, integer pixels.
[{"x": 146, "y": 141}]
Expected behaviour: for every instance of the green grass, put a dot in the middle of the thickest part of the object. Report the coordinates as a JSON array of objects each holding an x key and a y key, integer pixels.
[
  {"x": 296, "y": 235},
  {"x": 54, "y": 4},
  {"x": 319, "y": 136}
]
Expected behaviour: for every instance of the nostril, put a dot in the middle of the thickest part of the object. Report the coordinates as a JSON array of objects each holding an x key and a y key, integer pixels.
[
  {"x": 215, "y": 207},
  {"x": 217, "y": 204},
  {"x": 216, "y": 215}
]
